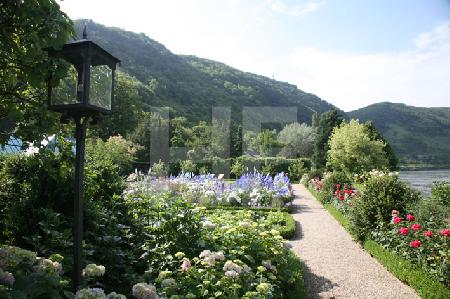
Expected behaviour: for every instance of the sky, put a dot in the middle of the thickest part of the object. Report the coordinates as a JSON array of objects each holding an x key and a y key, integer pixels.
[{"x": 351, "y": 53}]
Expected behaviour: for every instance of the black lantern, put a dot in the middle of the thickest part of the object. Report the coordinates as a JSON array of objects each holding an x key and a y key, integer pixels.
[
  {"x": 87, "y": 91},
  {"x": 88, "y": 87}
]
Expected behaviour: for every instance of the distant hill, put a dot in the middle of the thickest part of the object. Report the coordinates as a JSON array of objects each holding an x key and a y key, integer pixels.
[
  {"x": 418, "y": 135},
  {"x": 192, "y": 85}
]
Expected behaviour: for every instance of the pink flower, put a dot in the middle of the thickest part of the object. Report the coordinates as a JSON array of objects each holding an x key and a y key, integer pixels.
[
  {"x": 428, "y": 233},
  {"x": 416, "y": 227},
  {"x": 394, "y": 213},
  {"x": 185, "y": 265},
  {"x": 410, "y": 217},
  {"x": 445, "y": 232},
  {"x": 403, "y": 230},
  {"x": 397, "y": 220},
  {"x": 415, "y": 244}
]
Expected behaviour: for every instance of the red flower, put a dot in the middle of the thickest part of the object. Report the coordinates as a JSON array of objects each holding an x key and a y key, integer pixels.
[
  {"x": 410, "y": 217},
  {"x": 397, "y": 220},
  {"x": 341, "y": 197},
  {"x": 428, "y": 233},
  {"x": 415, "y": 244},
  {"x": 445, "y": 232},
  {"x": 348, "y": 191},
  {"x": 338, "y": 186},
  {"x": 416, "y": 226},
  {"x": 403, "y": 230}
]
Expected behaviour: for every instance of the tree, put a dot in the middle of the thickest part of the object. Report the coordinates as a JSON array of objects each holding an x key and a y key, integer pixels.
[
  {"x": 297, "y": 139},
  {"x": 374, "y": 134},
  {"x": 328, "y": 121},
  {"x": 352, "y": 151},
  {"x": 26, "y": 28}
]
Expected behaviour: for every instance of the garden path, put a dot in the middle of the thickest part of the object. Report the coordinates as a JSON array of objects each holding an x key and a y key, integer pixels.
[{"x": 334, "y": 265}]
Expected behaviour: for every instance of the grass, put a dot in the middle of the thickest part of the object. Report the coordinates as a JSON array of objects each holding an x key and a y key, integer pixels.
[{"x": 424, "y": 284}]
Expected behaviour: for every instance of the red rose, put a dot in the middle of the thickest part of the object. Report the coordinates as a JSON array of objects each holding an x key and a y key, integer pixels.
[
  {"x": 428, "y": 233},
  {"x": 410, "y": 217},
  {"x": 415, "y": 244},
  {"x": 416, "y": 226},
  {"x": 445, "y": 232},
  {"x": 403, "y": 230},
  {"x": 341, "y": 197},
  {"x": 397, "y": 220}
]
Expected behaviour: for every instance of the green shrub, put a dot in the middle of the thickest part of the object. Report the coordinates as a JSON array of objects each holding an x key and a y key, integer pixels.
[
  {"x": 329, "y": 185},
  {"x": 237, "y": 168},
  {"x": 158, "y": 169},
  {"x": 441, "y": 192},
  {"x": 188, "y": 166},
  {"x": 382, "y": 194},
  {"x": 298, "y": 168},
  {"x": 431, "y": 211}
]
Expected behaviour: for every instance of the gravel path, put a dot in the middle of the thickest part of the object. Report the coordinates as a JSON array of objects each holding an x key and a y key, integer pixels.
[{"x": 334, "y": 265}]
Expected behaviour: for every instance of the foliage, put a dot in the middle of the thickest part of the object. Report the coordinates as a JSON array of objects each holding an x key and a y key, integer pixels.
[
  {"x": 440, "y": 191},
  {"x": 237, "y": 168},
  {"x": 116, "y": 150},
  {"x": 297, "y": 139},
  {"x": 298, "y": 168},
  {"x": 263, "y": 142},
  {"x": 373, "y": 206},
  {"x": 328, "y": 121},
  {"x": 24, "y": 275},
  {"x": 27, "y": 28},
  {"x": 158, "y": 169},
  {"x": 374, "y": 134},
  {"x": 188, "y": 166},
  {"x": 353, "y": 152}
]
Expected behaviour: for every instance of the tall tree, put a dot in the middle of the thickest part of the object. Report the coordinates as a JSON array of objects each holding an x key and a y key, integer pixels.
[
  {"x": 352, "y": 151},
  {"x": 26, "y": 27},
  {"x": 297, "y": 139},
  {"x": 327, "y": 122},
  {"x": 374, "y": 134}
]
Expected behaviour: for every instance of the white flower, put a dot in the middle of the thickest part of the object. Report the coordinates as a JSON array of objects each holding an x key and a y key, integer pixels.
[
  {"x": 231, "y": 273},
  {"x": 94, "y": 270},
  {"x": 231, "y": 266},
  {"x": 204, "y": 253},
  {"x": 208, "y": 225}
]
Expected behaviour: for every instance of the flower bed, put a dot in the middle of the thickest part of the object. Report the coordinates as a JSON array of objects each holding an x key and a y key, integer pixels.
[
  {"x": 250, "y": 190},
  {"x": 185, "y": 252}
]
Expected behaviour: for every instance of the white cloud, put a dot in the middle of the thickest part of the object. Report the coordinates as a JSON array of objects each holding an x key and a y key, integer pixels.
[
  {"x": 419, "y": 76},
  {"x": 299, "y": 10}
]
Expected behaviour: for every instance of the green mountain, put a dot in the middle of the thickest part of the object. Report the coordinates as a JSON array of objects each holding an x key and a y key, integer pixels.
[
  {"x": 192, "y": 85},
  {"x": 418, "y": 135}
]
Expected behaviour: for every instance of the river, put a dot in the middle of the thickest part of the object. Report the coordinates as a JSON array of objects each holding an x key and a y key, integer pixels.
[{"x": 423, "y": 179}]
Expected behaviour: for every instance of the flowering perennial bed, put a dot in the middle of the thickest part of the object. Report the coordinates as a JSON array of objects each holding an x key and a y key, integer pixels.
[{"x": 250, "y": 190}]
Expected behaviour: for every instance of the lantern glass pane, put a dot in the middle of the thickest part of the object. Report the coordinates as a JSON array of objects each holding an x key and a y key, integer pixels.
[
  {"x": 100, "y": 87},
  {"x": 66, "y": 91}
]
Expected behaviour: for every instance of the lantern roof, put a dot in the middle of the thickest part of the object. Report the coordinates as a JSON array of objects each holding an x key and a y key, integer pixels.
[{"x": 74, "y": 52}]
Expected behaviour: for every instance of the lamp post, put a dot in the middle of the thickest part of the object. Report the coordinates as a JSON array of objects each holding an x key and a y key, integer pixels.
[{"x": 86, "y": 92}]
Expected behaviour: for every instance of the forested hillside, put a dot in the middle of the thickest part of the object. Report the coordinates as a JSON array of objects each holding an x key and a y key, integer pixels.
[
  {"x": 418, "y": 135},
  {"x": 192, "y": 85}
]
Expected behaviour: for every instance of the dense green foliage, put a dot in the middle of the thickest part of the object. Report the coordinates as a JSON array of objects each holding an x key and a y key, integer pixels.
[
  {"x": 441, "y": 192},
  {"x": 352, "y": 151},
  {"x": 26, "y": 28},
  {"x": 382, "y": 194},
  {"x": 327, "y": 122},
  {"x": 297, "y": 140},
  {"x": 419, "y": 136}
]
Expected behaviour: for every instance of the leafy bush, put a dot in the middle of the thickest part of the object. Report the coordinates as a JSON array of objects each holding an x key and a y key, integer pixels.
[
  {"x": 298, "y": 168},
  {"x": 441, "y": 192},
  {"x": 116, "y": 150},
  {"x": 158, "y": 169},
  {"x": 237, "y": 168},
  {"x": 373, "y": 206},
  {"x": 188, "y": 166}
]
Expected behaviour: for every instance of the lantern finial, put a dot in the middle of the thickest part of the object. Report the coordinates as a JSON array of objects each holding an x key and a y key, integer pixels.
[{"x": 84, "y": 32}]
